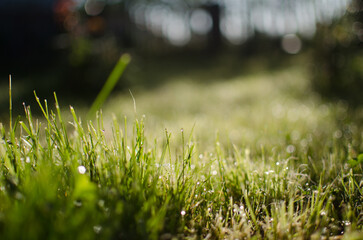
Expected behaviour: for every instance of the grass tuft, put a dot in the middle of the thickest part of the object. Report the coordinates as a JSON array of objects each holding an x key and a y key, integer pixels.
[{"x": 62, "y": 178}]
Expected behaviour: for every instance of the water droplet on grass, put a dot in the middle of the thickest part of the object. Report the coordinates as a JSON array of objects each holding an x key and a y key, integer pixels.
[
  {"x": 182, "y": 213},
  {"x": 101, "y": 203},
  {"x": 214, "y": 172},
  {"x": 290, "y": 149},
  {"x": 97, "y": 229},
  {"x": 338, "y": 134},
  {"x": 77, "y": 203},
  {"x": 346, "y": 223},
  {"x": 81, "y": 169}
]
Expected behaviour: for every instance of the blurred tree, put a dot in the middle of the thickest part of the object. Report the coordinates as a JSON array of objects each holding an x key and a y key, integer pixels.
[
  {"x": 337, "y": 62},
  {"x": 215, "y": 35},
  {"x": 76, "y": 42}
]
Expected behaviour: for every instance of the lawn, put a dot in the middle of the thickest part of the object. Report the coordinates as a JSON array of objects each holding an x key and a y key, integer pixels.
[{"x": 254, "y": 155}]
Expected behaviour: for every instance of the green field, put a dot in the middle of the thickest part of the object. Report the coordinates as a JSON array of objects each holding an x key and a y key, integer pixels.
[{"x": 249, "y": 156}]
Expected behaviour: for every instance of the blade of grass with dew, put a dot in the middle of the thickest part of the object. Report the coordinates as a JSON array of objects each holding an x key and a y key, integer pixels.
[{"x": 111, "y": 82}]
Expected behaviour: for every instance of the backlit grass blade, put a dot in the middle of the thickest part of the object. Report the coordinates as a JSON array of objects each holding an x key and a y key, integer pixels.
[{"x": 110, "y": 84}]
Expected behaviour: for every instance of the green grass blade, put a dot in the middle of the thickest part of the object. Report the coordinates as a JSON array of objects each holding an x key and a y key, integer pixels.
[{"x": 110, "y": 84}]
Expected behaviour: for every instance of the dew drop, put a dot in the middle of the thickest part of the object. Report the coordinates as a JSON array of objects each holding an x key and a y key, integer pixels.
[
  {"x": 346, "y": 223},
  {"x": 81, "y": 169},
  {"x": 77, "y": 203},
  {"x": 97, "y": 229},
  {"x": 182, "y": 213},
  {"x": 101, "y": 203},
  {"x": 290, "y": 148},
  {"x": 338, "y": 134}
]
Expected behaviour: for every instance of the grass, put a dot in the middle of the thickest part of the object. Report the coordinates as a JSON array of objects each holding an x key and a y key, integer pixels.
[{"x": 258, "y": 156}]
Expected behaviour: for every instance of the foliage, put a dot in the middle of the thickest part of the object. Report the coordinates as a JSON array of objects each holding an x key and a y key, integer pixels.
[
  {"x": 337, "y": 61},
  {"x": 98, "y": 180}
]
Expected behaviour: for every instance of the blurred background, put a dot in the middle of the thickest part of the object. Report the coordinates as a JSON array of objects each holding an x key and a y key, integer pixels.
[{"x": 70, "y": 46}]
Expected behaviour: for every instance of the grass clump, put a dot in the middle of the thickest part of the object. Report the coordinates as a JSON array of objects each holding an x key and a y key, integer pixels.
[
  {"x": 58, "y": 183},
  {"x": 288, "y": 171}
]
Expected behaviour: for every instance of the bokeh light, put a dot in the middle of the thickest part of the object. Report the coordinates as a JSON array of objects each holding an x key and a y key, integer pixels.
[
  {"x": 200, "y": 21},
  {"x": 94, "y": 7},
  {"x": 291, "y": 43}
]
